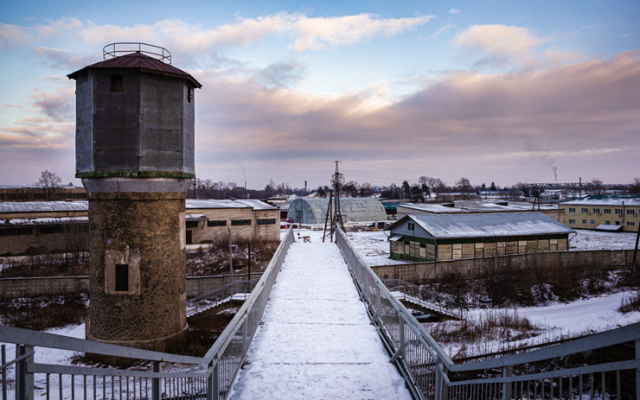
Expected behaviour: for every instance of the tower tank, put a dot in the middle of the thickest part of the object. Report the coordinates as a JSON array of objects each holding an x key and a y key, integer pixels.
[{"x": 135, "y": 156}]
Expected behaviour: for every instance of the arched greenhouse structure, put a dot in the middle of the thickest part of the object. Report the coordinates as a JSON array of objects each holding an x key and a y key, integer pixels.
[{"x": 314, "y": 211}]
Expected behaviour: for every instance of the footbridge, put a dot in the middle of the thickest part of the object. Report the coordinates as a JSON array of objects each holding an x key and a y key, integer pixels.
[{"x": 329, "y": 328}]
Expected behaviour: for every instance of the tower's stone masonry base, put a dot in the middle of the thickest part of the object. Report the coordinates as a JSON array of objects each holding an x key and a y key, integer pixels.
[{"x": 142, "y": 231}]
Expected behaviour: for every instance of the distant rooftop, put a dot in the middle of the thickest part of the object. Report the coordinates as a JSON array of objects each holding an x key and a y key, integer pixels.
[
  {"x": 257, "y": 205},
  {"x": 604, "y": 200},
  {"x": 42, "y": 206},
  {"x": 474, "y": 206}
]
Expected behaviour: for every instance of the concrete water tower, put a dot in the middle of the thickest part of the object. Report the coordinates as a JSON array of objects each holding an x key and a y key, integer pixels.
[{"x": 134, "y": 153}]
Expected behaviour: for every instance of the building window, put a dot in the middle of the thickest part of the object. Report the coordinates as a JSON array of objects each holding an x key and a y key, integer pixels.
[
  {"x": 16, "y": 231},
  {"x": 584, "y": 210},
  {"x": 596, "y": 211},
  {"x": 584, "y": 221},
  {"x": 189, "y": 94},
  {"x": 629, "y": 212},
  {"x": 593, "y": 222},
  {"x": 45, "y": 230},
  {"x": 423, "y": 245},
  {"x": 631, "y": 223},
  {"x": 216, "y": 223},
  {"x": 607, "y": 210},
  {"x": 607, "y": 222},
  {"x": 122, "y": 277},
  {"x": 192, "y": 224},
  {"x": 237, "y": 222},
  {"x": 572, "y": 209},
  {"x": 618, "y": 211},
  {"x": 572, "y": 221},
  {"x": 116, "y": 83},
  {"x": 269, "y": 221},
  {"x": 617, "y": 222}
]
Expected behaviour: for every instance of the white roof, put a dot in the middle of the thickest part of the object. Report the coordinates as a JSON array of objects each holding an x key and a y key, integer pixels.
[
  {"x": 452, "y": 226},
  {"x": 45, "y": 221},
  {"x": 605, "y": 227},
  {"x": 240, "y": 203},
  {"x": 42, "y": 206},
  {"x": 605, "y": 201},
  {"x": 432, "y": 208}
]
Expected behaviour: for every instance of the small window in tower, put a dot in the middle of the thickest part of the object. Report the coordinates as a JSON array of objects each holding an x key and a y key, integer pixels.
[
  {"x": 116, "y": 83},
  {"x": 190, "y": 94},
  {"x": 122, "y": 277}
]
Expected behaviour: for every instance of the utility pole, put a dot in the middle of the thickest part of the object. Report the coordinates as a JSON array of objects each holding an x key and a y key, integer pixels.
[
  {"x": 336, "y": 217},
  {"x": 249, "y": 263},
  {"x": 326, "y": 218},
  {"x": 337, "y": 212},
  {"x": 230, "y": 257},
  {"x": 580, "y": 188}
]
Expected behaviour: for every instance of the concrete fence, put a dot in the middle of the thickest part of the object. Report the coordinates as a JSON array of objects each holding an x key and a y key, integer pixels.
[
  {"x": 54, "y": 285},
  {"x": 477, "y": 267}
]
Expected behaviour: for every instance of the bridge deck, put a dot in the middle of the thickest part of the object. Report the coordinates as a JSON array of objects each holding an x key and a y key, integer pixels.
[{"x": 316, "y": 341}]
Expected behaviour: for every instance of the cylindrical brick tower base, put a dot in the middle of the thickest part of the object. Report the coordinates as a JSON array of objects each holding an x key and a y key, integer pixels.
[{"x": 137, "y": 260}]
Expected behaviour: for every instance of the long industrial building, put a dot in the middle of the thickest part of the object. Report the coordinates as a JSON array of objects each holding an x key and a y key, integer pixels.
[
  {"x": 60, "y": 226},
  {"x": 455, "y": 236}
]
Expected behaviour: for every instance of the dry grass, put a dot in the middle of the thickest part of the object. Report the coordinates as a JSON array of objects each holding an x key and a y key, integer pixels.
[
  {"x": 45, "y": 312},
  {"x": 496, "y": 325},
  {"x": 215, "y": 260},
  {"x": 630, "y": 303}
]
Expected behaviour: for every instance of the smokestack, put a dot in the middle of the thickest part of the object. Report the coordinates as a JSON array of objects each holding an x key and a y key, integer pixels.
[{"x": 305, "y": 186}]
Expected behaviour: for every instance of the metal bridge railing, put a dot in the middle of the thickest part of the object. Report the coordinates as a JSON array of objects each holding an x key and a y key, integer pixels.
[
  {"x": 425, "y": 298},
  {"x": 215, "y": 297},
  {"x": 566, "y": 371},
  {"x": 207, "y": 377}
]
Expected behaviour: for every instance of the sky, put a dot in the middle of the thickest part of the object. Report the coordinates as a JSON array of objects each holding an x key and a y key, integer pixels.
[{"x": 495, "y": 91}]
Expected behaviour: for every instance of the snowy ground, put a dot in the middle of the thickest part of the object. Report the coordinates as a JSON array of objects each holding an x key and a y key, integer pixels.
[
  {"x": 592, "y": 240},
  {"x": 554, "y": 322},
  {"x": 316, "y": 341}
]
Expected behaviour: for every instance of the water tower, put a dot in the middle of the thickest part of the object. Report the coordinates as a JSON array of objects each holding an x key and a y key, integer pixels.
[{"x": 134, "y": 153}]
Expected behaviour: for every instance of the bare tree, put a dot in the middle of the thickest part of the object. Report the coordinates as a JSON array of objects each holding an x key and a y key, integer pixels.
[
  {"x": 464, "y": 185},
  {"x": 49, "y": 182}
]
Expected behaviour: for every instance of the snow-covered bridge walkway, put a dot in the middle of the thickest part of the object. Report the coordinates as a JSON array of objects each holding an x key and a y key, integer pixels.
[{"x": 316, "y": 341}]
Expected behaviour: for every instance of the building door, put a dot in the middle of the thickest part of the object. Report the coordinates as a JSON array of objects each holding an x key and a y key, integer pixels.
[{"x": 189, "y": 238}]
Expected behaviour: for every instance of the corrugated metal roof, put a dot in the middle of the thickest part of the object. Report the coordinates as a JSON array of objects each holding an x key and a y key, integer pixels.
[
  {"x": 43, "y": 206},
  {"x": 354, "y": 209},
  {"x": 488, "y": 225},
  {"x": 196, "y": 217},
  {"x": 605, "y": 201},
  {"x": 45, "y": 221},
  {"x": 432, "y": 208},
  {"x": 208, "y": 204},
  {"x": 142, "y": 62}
]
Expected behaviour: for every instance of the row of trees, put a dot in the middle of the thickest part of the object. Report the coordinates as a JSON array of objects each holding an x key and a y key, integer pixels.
[{"x": 424, "y": 188}]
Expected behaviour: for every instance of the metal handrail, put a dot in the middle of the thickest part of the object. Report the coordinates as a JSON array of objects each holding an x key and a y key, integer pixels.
[
  {"x": 213, "y": 379},
  {"x": 427, "y": 367},
  {"x": 161, "y": 54}
]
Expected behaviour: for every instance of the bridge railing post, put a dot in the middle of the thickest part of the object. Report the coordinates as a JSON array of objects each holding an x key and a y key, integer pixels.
[
  {"x": 155, "y": 384},
  {"x": 506, "y": 387}
]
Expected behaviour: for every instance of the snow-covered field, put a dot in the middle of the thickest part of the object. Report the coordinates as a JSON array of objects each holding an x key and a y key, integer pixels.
[
  {"x": 592, "y": 240},
  {"x": 553, "y": 322}
]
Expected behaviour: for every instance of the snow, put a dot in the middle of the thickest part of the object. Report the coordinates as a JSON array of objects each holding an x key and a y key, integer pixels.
[
  {"x": 593, "y": 240},
  {"x": 316, "y": 341},
  {"x": 373, "y": 247},
  {"x": 554, "y": 322}
]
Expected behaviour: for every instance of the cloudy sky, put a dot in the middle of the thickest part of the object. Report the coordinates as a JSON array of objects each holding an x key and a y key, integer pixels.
[{"x": 502, "y": 91}]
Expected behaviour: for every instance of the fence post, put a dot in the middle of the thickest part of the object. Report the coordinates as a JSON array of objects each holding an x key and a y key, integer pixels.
[
  {"x": 506, "y": 387},
  {"x": 440, "y": 390},
  {"x": 155, "y": 384},
  {"x": 23, "y": 380},
  {"x": 637, "y": 370}
]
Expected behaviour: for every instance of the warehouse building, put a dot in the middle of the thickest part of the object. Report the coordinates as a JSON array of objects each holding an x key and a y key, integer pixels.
[
  {"x": 212, "y": 221},
  {"x": 358, "y": 209},
  {"x": 479, "y": 206},
  {"x": 61, "y": 226},
  {"x": 439, "y": 237},
  {"x": 610, "y": 213}
]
